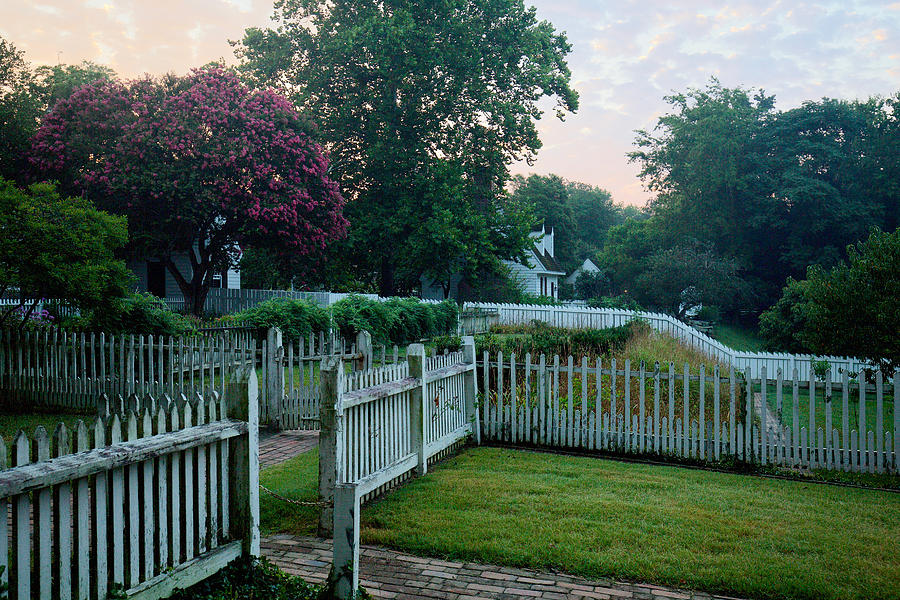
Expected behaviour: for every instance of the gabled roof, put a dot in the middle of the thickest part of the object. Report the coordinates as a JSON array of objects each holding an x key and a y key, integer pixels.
[{"x": 549, "y": 263}]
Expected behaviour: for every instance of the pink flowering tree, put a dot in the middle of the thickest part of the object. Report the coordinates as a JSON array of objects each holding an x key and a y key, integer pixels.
[{"x": 201, "y": 165}]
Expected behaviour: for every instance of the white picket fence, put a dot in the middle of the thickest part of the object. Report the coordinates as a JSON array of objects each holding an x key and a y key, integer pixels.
[
  {"x": 693, "y": 414},
  {"x": 157, "y": 500},
  {"x": 380, "y": 427},
  {"x": 574, "y": 317},
  {"x": 59, "y": 369}
]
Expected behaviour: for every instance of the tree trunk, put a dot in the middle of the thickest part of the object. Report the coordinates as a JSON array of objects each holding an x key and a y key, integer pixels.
[
  {"x": 195, "y": 290},
  {"x": 386, "y": 279}
]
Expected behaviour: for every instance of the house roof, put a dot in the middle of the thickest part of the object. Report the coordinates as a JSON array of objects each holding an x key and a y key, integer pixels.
[{"x": 549, "y": 263}]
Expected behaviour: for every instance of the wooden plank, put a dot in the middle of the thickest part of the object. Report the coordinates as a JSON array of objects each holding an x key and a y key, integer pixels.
[
  {"x": 896, "y": 386},
  {"x": 879, "y": 422},
  {"x": 186, "y": 574},
  {"x": 62, "y": 520},
  {"x": 862, "y": 422},
  {"x": 42, "y": 522},
  {"x": 20, "y": 567},
  {"x": 148, "y": 522},
  {"x": 686, "y": 417},
  {"x": 188, "y": 472},
  {"x": 5, "y": 517},
  {"x": 717, "y": 418},
  {"x": 642, "y": 431},
  {"x": 795, "y": 418},
  {"x": 99, "y": 491},
  {"x": 702, "y": 415}
]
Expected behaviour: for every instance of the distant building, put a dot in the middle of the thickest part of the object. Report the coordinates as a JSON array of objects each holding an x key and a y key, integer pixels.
[
  {"x": 152, "y": 276},
  {"x": 542, "y": 273},
  {"x": 539, "y": 277},
  {"x": 588, "y": 266}
]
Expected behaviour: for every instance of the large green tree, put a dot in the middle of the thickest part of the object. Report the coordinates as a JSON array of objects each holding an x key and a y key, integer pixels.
[
  {"x": 59, "y": 248},
  {"x": 200, "y": 164},
  {"x": 417, "y": 100},
  {"x": 776, "y": 191},
  {"x": 26, "y": 94},
  {"x": 852, "y": 309}
]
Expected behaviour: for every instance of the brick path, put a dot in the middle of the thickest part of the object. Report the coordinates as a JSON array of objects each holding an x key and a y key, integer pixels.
[
  {"x": 278, "y": 447},
  {"x": 388, "y": 574}
]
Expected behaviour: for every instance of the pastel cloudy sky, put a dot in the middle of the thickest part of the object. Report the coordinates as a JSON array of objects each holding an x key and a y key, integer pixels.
[{"x": 627, "y": 55}]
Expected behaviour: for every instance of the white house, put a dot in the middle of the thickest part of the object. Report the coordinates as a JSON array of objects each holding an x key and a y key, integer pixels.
[
  {"x": 588, "y": 266},
  {"x": 152, "y": 276},
  {"x": 541, "y": 275}
]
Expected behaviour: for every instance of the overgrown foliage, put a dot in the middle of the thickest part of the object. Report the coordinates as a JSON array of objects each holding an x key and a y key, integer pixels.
[
  {"x": 136, "y": 313},
  {"x": 296, "y": 318},
  {"x": 60, "y": 248},
  {"x": 852, "y": 309},
  {"x": 250, "y": 578},
  {"x": 539, "y": 338},
  {"x": 398, "y": 320}
]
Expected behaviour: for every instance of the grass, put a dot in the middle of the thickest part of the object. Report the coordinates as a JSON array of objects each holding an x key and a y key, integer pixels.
[
  {"x": 738, "y": 338},
  {"x": 837, "y": 407},
  {"x": 719, "y": 532},
  {"x": 11, "y": 424}
]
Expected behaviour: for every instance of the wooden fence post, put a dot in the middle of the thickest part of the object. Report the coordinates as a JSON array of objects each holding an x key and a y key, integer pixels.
[
  {"x": 274, "y": 377},
  {"x": 345, "y": 562},
  {"x": 242, "y": 404},
  {"x": 471, "y": 386},
  {"x": 364, "y": 348},
  {"x": 415, "y": 356},
  {"x": 331, "y": 439}
]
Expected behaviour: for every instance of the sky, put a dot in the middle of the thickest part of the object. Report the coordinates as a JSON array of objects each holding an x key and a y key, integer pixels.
[{"x": 627, "y": 55}]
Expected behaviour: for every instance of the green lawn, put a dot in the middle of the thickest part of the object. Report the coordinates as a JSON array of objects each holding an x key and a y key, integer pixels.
[
  {"x": 747, "y": 536},
  {"x": 738, "y": 338},
  {"x": 11, "y": 424},
  {"x": 837, "y": 407}
]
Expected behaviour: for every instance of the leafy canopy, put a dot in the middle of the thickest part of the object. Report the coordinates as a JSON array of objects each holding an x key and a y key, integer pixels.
[
  {"x": 58, "y": 248},
  {"x": 415, "y": 101},
  {"x": 199, "y": 164},
  {"x": 852, "y": 309}
]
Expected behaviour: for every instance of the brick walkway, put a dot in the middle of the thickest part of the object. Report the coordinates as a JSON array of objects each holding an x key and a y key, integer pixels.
[
  {"x": 278, "y": 447},
  {"x": 388, "y": 574}
]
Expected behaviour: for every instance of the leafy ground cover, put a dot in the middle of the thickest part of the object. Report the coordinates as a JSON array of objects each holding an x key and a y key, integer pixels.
[
  {"x": 738, "y": 338},
  {"x": 737, "y": 534}
]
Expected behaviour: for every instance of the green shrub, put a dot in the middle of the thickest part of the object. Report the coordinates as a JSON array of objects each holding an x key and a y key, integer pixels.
[
  {"x": 358, "y": 313},
  {"x": 447, "y": 342},
  {"x": 397, "y": 321},
  {"x": 622, "y": 302},
  {"x": 249, "y": 579},
  {"x": 136, "y": 313},
  {"x": 709, "y": 313},
  {"x": 295, "y": 318},
  {"x": 540, "y": 338}
]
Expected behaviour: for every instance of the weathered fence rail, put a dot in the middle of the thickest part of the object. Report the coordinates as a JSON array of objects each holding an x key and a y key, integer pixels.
[
  {"x": 380, "y": 427},
  {"x": 693, "y": 413},
  {"x": 160, "y": 499},
  {"x": 575, "y": 317}
]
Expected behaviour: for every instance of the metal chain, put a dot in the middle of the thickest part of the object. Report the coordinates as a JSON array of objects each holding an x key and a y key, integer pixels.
[{"x": 292, "y": 501}]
